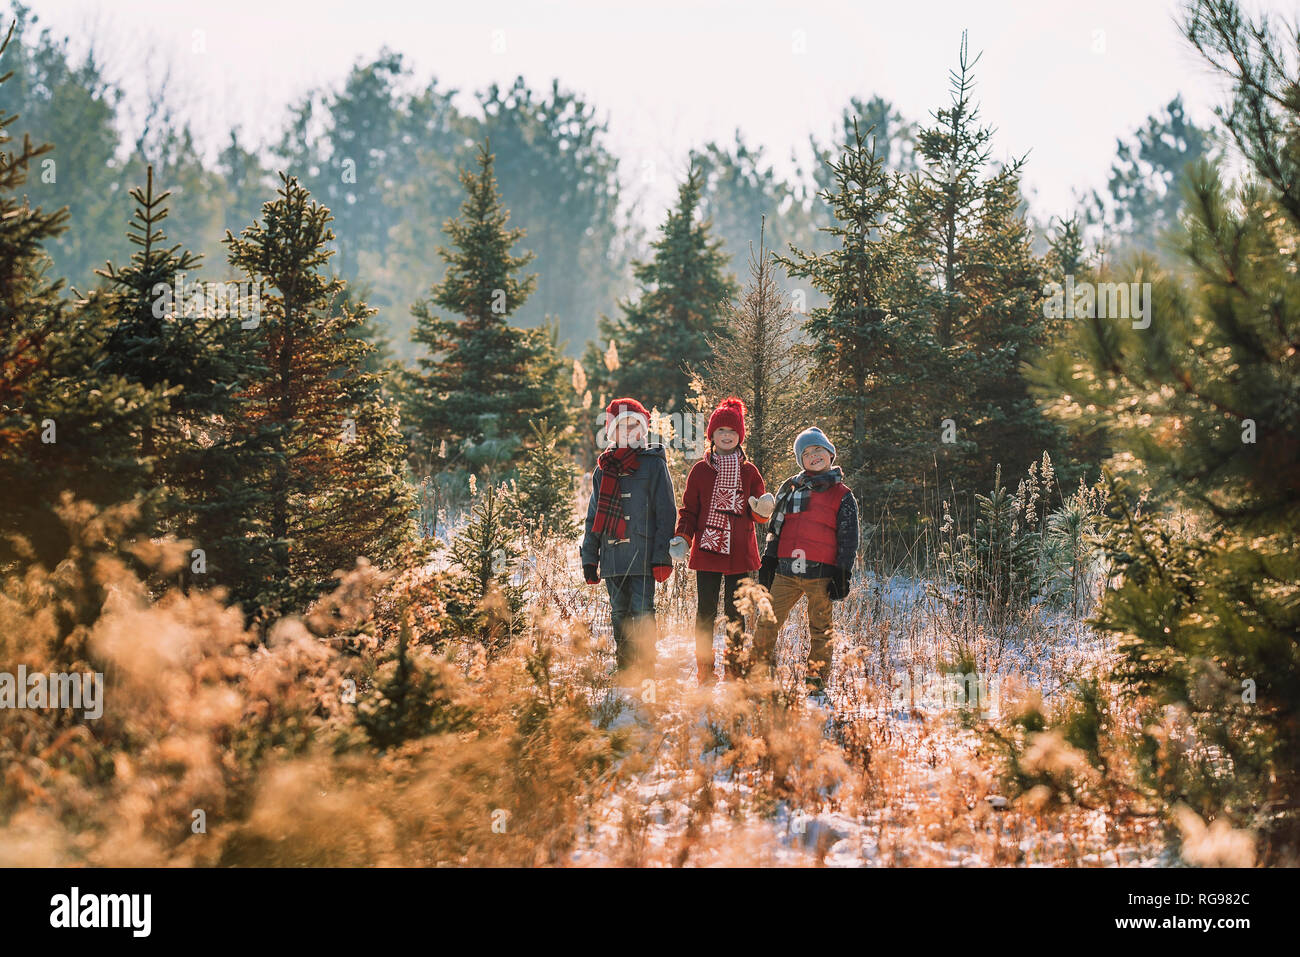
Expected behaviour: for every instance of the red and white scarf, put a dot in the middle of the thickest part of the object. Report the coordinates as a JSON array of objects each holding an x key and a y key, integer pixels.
[{"x": 727, "y": 500}]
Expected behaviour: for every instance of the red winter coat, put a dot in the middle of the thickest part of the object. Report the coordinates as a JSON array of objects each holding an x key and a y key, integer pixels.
[{"x": 695, "y": 509}]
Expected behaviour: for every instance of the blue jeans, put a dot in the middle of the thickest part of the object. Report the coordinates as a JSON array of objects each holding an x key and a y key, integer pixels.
[{"x": 632, "y": 609}]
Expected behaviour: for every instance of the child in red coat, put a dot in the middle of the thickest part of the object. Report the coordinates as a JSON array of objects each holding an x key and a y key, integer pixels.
[{"x": 724, "y": 497}]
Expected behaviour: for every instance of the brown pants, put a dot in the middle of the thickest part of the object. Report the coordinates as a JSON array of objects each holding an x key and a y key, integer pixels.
[{"x": 786, "y": 591}]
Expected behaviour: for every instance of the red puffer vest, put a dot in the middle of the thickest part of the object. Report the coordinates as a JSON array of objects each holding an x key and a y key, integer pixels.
[{"x": 812, "y": 531}]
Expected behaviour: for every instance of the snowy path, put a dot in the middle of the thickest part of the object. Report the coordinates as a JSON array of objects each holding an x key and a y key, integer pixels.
[{"x": 670, "y": 813}]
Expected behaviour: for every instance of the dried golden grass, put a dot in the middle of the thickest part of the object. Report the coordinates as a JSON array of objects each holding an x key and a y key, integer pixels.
[{"x": 548, "y": 763}]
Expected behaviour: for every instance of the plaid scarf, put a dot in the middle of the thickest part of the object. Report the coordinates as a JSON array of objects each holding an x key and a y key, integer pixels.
[
  {"x": 725, "y": 502},
  {"x": 796, "y": 494},
  {"x": 614, "y": 462}
]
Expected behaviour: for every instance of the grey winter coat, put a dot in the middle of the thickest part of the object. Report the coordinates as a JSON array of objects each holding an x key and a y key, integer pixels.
[{"x": 650, "y": 505}]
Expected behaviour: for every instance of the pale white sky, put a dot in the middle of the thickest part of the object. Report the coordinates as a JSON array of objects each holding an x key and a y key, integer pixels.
[{"x": 1058, "y": 80}]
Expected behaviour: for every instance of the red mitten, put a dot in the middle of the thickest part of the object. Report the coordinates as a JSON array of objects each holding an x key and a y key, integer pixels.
[{"x": 662, "y": 572}]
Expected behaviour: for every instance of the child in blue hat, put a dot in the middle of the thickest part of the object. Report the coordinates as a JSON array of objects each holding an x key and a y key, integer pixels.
[{"x": 811, "y": 545}]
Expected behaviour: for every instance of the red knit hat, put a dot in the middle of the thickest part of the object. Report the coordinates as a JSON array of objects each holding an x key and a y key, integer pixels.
[
  {"x": 625, "y": 409},
  {"x": 730, "y": 414}
]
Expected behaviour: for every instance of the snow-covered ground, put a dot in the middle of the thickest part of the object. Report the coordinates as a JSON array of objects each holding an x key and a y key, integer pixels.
[{"x": 929, "y": 796}]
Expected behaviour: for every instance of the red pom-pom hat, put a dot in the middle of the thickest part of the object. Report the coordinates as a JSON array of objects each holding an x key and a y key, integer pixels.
[{"x": 730, "y": 414}]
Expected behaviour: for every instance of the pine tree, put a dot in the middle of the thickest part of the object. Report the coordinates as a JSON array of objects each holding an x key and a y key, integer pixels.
[
  {"x": 410, "y": 697},
  {"x": 483, "y": 379},
  {"x": 965, "y": 220},
  {"x": 375, "y": 148},
  {"x": 244, "y": 181},
  {"x": 1069, "y": 256},
  {"x": 872, "y": 354},
  {"x": 1144, "y": 190},
  {"x": 759, "y": 358},
  {"x": 334, "y": 479},
  {"x": 379, "y": 358},
  {"x": 895, "y": 141},
  {"x": 545, "y": 488},
  {"x": 945, "y": 198},
  {"x": 486, "y": 550},
  {"x": 1005, "y": 325},
  {"x": 66, "y": 425},
  {"x": 561, "y": 181},
  {"x": 195, "y": 346},
  {"x": 1201, "y": 408},
  {"x": 72, "y": 104},
  {"x": 552, "y": 375},
  {"x": 740, "y": 190},
  {"x": 684, "y": 289}
]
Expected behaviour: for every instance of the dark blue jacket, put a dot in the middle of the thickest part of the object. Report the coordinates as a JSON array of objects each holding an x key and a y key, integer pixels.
[{"x": 650, "y": 506}]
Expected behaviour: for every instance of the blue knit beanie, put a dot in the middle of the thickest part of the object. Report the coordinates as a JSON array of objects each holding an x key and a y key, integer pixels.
[{"x": 808, "y": 438}]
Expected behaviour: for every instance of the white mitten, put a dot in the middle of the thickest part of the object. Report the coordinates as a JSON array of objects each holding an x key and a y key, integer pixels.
[
  {"x": 678, "y": 548},
  {"x": 763, "y": 506}
]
